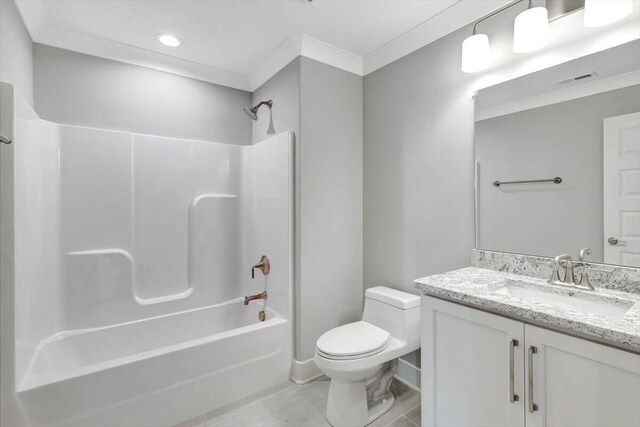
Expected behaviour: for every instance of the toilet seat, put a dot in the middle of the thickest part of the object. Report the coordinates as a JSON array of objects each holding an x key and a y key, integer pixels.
[{"x": 352, "y": 341}]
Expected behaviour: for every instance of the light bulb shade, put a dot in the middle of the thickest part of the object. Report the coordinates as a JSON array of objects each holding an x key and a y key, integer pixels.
[
  {"x": 531, "y": 30},
  {"x": 598, "y": 13},
  {"x": 476, "y": 53}
]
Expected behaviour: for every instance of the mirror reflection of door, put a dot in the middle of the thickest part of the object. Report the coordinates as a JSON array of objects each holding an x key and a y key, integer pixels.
[{"x": 622, "y": 190}]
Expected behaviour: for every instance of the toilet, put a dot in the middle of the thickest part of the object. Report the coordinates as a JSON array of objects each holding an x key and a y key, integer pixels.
[{"x": 362, "y": 357}]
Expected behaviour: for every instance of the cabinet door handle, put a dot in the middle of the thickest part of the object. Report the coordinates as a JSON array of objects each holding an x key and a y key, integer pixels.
[
  {"x": 512, "y": 396},
  {"x": 533, "y": 407}
]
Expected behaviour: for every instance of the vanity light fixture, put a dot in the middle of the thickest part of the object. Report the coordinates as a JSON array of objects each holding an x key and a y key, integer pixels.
[
  {"x": 476, "y": 49},
  {"x": 168, "y": 40},
  {"x": 531, "y": 29},
  {"x": 476, "y": 53},
  {"x": 598, "y": 13}
]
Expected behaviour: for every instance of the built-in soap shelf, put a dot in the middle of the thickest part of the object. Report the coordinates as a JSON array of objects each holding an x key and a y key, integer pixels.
[
  {"x": 102, "y": 252},
  {"x": 110, "y": 273},
  {"x": 202, "y": 197},
  {"x": 165, "y": 298},
  {"x": 105, "y": 270}
]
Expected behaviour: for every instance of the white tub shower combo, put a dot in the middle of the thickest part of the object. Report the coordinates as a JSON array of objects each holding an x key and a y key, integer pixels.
[{"x": 132, "y": 255}]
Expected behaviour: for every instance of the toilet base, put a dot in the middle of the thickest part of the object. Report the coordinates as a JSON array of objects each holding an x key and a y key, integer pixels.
[
  {"x": 358, "y": 403},
  {"x": 380, "y": 407}
]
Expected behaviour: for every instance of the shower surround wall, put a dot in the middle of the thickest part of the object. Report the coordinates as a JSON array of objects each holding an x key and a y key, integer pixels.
[{"x": 132, "y": 255}]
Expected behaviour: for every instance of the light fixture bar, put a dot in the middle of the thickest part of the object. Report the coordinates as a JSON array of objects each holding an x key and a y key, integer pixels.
[
  {"x": 558, "y": 9},
  {"x": 494, "y": 13}
]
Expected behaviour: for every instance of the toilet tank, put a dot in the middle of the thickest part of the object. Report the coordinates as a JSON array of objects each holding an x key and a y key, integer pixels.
[{"x": 394, "y": 311}]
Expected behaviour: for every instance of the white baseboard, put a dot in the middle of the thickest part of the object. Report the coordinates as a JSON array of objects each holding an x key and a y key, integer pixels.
[
  {"x": 408, "y": 374},
  {"x": 305, "y": 371}
]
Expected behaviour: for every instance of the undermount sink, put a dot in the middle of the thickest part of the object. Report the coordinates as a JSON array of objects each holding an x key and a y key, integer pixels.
[{"x": 575, "y": 301}]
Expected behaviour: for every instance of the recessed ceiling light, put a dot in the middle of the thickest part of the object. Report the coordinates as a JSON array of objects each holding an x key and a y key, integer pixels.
[{"x": 168, "y": 40}]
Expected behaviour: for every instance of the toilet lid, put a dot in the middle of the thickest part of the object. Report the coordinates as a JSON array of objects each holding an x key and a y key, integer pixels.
[{"x": 355, "y": 339}]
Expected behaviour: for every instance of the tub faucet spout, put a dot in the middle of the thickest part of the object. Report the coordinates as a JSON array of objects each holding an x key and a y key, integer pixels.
[{"x": 262, "y": 295}]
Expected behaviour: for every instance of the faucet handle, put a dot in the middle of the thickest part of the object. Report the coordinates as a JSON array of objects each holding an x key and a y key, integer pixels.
[
  {"x": 264, "y": 265},
  {"x": 555, "y": 267},
  {"x": 584, "y": 281},
  {"x": 569, "y": 275}
]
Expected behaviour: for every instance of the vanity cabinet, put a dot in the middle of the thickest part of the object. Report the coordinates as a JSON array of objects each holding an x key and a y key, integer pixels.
[
  {"x": 580, "y": 383},
  {"x": 477, "y": 370}
]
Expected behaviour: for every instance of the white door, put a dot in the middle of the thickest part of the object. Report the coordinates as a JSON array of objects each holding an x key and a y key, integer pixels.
[
  {"x": 469, "y": 361},
  {"x": 622, "y": 190},
  {"x": 578, "y": 383}
]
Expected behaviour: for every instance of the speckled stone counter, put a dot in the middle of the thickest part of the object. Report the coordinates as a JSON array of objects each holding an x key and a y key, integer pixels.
[
  {"x": 608, "y": 276},
  {"x": 485, "y": 289}
]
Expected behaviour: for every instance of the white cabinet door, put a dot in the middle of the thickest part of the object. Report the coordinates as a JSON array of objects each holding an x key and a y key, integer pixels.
[
  {"x": 578, "y": 383},
  {"x": 466, "y": 361}
]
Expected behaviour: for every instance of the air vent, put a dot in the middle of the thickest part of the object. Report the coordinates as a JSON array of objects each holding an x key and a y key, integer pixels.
[{"x": 578, "y": 78}]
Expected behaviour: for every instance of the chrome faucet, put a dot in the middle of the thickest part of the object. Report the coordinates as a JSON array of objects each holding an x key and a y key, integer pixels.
[
  {"x": 569, "y": 276},
  {"x": 584, "y": 252}
]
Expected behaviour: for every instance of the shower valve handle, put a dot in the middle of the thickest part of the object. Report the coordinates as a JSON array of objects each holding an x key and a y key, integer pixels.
[{"x": 263, "y": 265}]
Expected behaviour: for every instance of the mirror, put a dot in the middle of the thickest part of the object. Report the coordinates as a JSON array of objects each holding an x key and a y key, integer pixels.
[{"x": 573, "y": 131}]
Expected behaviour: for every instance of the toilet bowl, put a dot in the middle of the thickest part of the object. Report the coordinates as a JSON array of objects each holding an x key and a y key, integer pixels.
[{"x": 362, "y": 357}]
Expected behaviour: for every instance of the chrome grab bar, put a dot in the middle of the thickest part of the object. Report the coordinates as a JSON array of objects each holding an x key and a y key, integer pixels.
[
  {"x": 4, "y": 139},
  {"x": 556, "y": 180},
  {"x": 512, "y": 396},
  {"x": 533, "y": 407}
]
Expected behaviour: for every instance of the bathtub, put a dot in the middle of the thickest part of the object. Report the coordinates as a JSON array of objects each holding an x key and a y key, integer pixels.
[
  {"x": 121, "y": 283},
  {"x": 156, "y": 371}
]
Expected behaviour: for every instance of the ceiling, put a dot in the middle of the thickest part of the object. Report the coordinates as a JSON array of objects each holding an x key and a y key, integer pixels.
[{"x": 230, "y": 41}]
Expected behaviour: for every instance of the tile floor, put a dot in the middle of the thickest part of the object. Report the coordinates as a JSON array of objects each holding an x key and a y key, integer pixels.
[{"x": 304, "y": 406}]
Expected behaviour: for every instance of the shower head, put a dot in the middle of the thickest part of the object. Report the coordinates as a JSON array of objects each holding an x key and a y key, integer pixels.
[{"x": 253, "y": 111}]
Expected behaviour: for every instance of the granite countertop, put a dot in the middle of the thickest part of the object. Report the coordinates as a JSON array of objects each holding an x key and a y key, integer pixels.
[{"x": 618, "y": 322}]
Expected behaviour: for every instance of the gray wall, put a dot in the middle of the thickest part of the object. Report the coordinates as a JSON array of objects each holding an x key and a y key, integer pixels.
[
  {"x": 78, "y": 89},
  {"x": 331, "y": 200},
  {"x": 561, "y": 139},
  {"x": 284, "y": 90},
  {"x": 323, "y": 106},
  {"x": 16, "y": 51},
  {"x": 418, "y": 166}
]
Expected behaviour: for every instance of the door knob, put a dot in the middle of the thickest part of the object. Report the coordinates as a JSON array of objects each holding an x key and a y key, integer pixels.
[{"x": 613, "y": 241}]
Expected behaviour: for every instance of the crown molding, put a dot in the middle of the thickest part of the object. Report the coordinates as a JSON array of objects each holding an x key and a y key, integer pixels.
[
  {"x": 41, "y": 31},
  {"x": 275, "y": 61},
  {"x": 449, "y": 20},
  {"x": 331, "y": 55},
  {"x": 91, "y": 45},
  {"x": 33, "y": 15},
  {"x": 306, "y": 46},
  {"x": 461, "y": 13}
]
